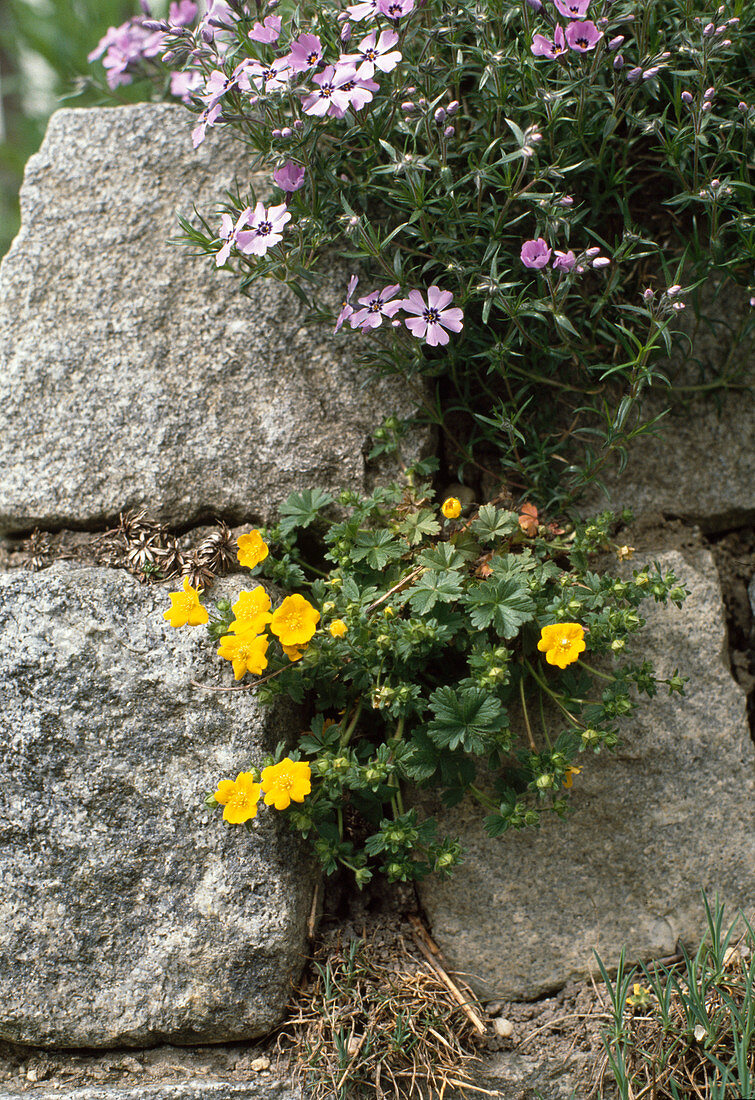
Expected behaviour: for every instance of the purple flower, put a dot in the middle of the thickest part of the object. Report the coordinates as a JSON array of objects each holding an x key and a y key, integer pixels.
[
  {"x": 216, "y": 85},
  {"x": 306, "y": 52},
  {"x": 564, "y": 261},
  {"x": 374, "y": 53},
  {"x": 359, "y": 93},
  {"x": 377, "y": 305},
  {"x": 330, "y": 98},
  {"x": 290, "y": 177},
  {"x": 228, "y": 232},
  {"x": 363, "y": 10},
  {"x": 395, "y": 9},
  {"x": 182, "y": 85},
  {"x": 572, "y": 9},
  {"x": 265, "y": 230},
  {"x": 543, "y": 47},
  {"x": 266, "y": 78},
  {"x": 124, "y": 47},
  {"x": 267, "y": 31},
  {"x": 433, "y": 318},
  {"x": 182, "y": 13},
  {"x": 535, "y": 253},
  {"x": 346, "y": 307},
  {"x": 583, "y": 36},
  {"x": 207, "y": 118}
]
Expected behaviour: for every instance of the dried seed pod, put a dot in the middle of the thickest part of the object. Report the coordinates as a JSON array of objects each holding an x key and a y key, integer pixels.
[
  {"x": 199, "y": 573},
  {"x": 218, "y": 550}
]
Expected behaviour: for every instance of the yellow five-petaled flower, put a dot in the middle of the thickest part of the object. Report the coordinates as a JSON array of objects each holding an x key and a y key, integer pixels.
[
  {"x": 451, "y": 508},
  {"x": 338, "y": 628},
  {"x": 295, "y": 621},
  {"x": 287, "y": 782},
  {"x": 246, "y": 652},
  {"x": 252, "y": 611},
  {"x": 252, "y": 549},
  {"x": 239, "y": 796},
  {"x": 185, "y": 607},
  {"x": 562, "y": 643}
]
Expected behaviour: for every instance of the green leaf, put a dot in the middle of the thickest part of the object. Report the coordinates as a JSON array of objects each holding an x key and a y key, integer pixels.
[
  {"x": 444, "y": 556},
  {"x": 494, "y": 523},
  {"x": 469, "y": 719},
  {"x": 301, "y": 509},
  {"x": 503, "y": 604},
  {"x": 418, "y": 525},
  {"x": 377, "y": 548},
  {"x": 431, "y": 587}
]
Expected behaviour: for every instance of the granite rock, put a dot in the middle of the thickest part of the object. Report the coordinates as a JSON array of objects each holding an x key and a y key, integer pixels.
[
  {"x": 698, "y": 465},
  {"x": 670, "y": 813},
  {"x": 133, "y": 374},
  {"x": 194, "y": 1090},
  {"x": 129, "y": 915}
]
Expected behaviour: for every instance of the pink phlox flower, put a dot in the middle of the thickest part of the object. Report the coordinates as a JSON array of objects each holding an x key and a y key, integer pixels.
[
  {"x": 433, "y": 316},
  {"x": 265, "y": 230},
  {"x": 290, "y": 177},
  {"x": 306, "y": 52},
  {"x": 543, "y": 47},
  {"x": 564, "y": 261},
  {"x": 218, "y": 11},
  {"x": 183, "y": 85},
  {"x": 182, "y": 13},
  {"x": 395, "y": 9},
  {"x": 126, "y": 46},
  {"x": 228, "y": 232},
  {"x": 346, "y": 307},
  {"x": 374, "y": 53},
  {"x": 267, "y": 31},
  {"x": 207, "y": 118},
  {"x": 583, "y": 36},
  {"x": 535, "y": 253},
  {"x": 364, "y": 10},
  {"x": 330, "y": 97},
  {"x": 266, "y": 78},
  {"x": 359, "y": 92},
  {"x": 216, "y": 85},
  {"x": 377, "y": 305},
  {"x": 572, "y": 9}
]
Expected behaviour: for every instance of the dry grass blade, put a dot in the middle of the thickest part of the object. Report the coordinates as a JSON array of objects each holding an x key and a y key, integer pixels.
[{"x": 372, "y": 1019}]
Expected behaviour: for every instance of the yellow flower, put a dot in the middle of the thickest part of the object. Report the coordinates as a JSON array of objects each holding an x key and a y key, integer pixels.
[
  {"x": 338, "y": 628},
  {"x": 451, "y": 508},
  {"x": 286, "y": 782},
  {"x": 245, "y": 651},
  {"x": 294, "y": 652},
  {"x": 186, "y": 608},
  {"x": 239, "y": 797},
  {"x": 624, "y": 552},
  {"x": 571, "y": 771},
  {"x": 295, "y": 621},
  {"x": 252, "y": 550},
  {"x": 640, "y": 997},
  {"x": 252, "y": 611},
  {"x": 562, "y": 643}
]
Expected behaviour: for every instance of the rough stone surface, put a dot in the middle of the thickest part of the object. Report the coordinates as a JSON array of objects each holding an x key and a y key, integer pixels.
[
  {"x": 133, "y": 375},
  {"x": 196, "y": 1090},
  {"x": 128, "y": 914},
  {"x": 672, "y": 812},
  {"x": 699, "y": 465}
]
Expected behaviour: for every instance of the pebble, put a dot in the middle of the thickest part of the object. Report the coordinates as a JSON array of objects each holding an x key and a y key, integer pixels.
[{"x": 503, "y": 1028}]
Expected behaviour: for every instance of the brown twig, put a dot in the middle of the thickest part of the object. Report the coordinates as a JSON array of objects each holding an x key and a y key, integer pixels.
[{"x": 453, "y": 989}]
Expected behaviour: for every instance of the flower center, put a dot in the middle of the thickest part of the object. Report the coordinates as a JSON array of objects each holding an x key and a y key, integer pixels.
[
  {"x": 565, "y": 643},
  {"x": 376, "y": 305},
  {"x": 240, "y": 799},
  {"x": 582, "y": 42},
  {"x": 285, "y": 781},
  {"x": 370, "y": 55},
  {"x": 264, "y": 228},
  {"x": 431, "y": 316},
  {"x": 313, "y": 58},
  {"x": 187, "y": 602},
  {"x": 326, "y": 91}
]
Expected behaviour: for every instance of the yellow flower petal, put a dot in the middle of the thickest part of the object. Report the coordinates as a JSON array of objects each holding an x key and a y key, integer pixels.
[
  {"x": 239, "y": 797},
  {"x": 562, "y": 643},
  {"x": 338, "y": 628},
  {"x": 287, "y": 781},
  {"x": 295, "y": 621},
  {"x": 185, "y": 607},
  {"x": 451, "y": 508},
  {"x": 252, "y": 549}
]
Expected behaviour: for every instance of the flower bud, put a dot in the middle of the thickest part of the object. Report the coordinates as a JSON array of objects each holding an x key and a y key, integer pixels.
[
  {"x": 346, "y": 33},
  {"x": 543, "y": 782},
  {"x": 617, "y": 645},
  {"x": 448, "y": 132},
  {"x": 647, "y": 295},
  {"x": 673, "y": 290},
  {"x": 616, "y": 42},
  {"x": 634, "y": 75},
  {"x": 440, "y": 115},
  {"x": 535, "y": 5},
  {"x": 452, "y": 107},
  {"x": 709, "y": 93},
  {"x": 687, "y": 97},
  {"x": 618, "y": 62}
]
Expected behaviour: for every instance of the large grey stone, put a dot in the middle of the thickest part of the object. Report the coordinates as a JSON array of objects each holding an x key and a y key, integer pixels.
[
  {"x": 700, "y": 464},
  {"x": 129, "y": 915},
  {"x": 133, "y": 374},
  {"x": 670, "y": 813}
]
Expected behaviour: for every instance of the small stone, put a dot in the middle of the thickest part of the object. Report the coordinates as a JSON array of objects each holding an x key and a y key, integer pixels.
[
  {"x": 260, "y": 1064},
  {"x": 503, "y": 1028}
]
